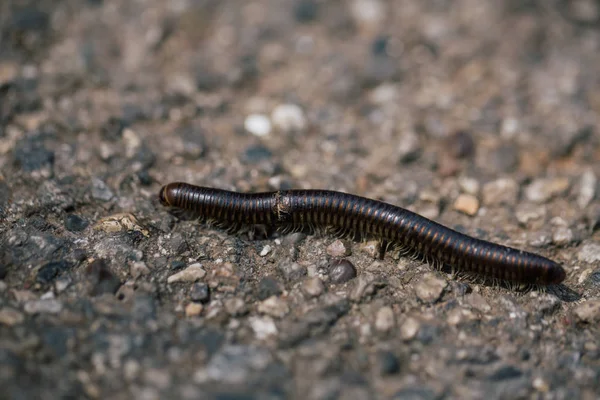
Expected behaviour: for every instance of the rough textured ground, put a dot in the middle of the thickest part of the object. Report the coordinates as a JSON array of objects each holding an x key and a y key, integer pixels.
[{"x": 483, "y": 115}]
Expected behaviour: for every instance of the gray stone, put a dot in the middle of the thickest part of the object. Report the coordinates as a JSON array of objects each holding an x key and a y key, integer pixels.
[
  {"x": 430, "y": 288},
  {"x": 589, "y": 253},
  {"x": 542, "y": 190}
]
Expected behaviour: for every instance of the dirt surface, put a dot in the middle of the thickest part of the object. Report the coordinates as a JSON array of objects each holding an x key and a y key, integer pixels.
[{"x": 482, "y": 115}]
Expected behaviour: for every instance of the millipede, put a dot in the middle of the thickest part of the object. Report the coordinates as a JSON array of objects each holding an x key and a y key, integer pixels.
[{"x": 360, "y": 217}]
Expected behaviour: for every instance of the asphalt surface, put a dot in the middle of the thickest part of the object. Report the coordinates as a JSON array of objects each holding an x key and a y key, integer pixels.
[{"x": 481, "y": 115}]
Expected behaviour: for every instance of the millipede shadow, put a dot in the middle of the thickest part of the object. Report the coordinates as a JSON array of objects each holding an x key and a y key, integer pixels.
[{"x": 564, "y": 293}]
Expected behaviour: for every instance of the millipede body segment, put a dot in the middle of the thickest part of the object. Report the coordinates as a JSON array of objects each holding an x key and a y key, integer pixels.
[{"x": 362, "y": 217}]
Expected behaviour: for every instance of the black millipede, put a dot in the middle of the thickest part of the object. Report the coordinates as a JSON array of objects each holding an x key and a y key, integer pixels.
[{"x": 342, "y": 213}]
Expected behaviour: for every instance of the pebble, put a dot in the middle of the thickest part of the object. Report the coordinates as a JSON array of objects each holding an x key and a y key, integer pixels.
[
  {"x": 273, "y": 306},
  {"x": 265, "y": 250},
  {"x": 587, "y": 188},
  {"x": 539, "y": 239},
  {"x": 131, "y": 141},
  {"x": 589, "y": 253},
  {"x": 387, "y": 363},
  {"x": 313, "y": 287},
  {"x": 75, "y": 223},
  {"x": 339, "y": 248},
  {"x": 528, "y": 212},
  {"x": 192, "y": 273},
  {"x": 47, "y": 306},
  {"x": 138, "y": 268},
  {"x": 258, "y": 125},
  {"x": 409, "y": 147},
  {"x": 456, "y": 316},
  {"x": 542, "y": 190},
  {"x": 10, "y": 316},
  {"x": 430, "y": 288},
  {"x": 263, "y": 327},
  {"x": 588, "y": 311},
  {"x": 384, "y": 94},
  {"x": 469, "y": 185},
  {"x": 467, "y": 204},
  {"x": 200, "y": 292},
  {"x": 368, "y": 13},
  {"x": 371, "y": 247},
  {"x": 341, "y": 271},
  {"x": 385, "y": 319},
  {"x": 366, "y": 285},
  {"x": 291, "y": 270},
  {"x": 562, "y": 236},
  {"x": 289, "y": 118},
  {"x": 193, "y": 309},
  {"x": 540, "y": 385},
  {"x": 500, "y": 191},
  {"x": 409, "y": 328},
  {"x": 235, "y": 306},
  {"x": 62, "y": 283},
  {"x": 477, "y": 301},
  {"x": 100, "y": 191}
]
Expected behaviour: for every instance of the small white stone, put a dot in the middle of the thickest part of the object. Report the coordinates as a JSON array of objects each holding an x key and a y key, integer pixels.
[
  {"x": 62, "y": 283},
  {"x": 132, "y": 142},
  {"x": 289, "y": 118},
  {"x": 265, "y": 250},
  {"x": 587, "y": 188},
  {"x": 273, "y": 306},
  {"x": 385, "y": 319},
  {"x": 192, "y": 273},
  {"x": 469, "y": 185},
  {"x": 258, "y": 125},
  {"x": 368, "y": 13},
  {"x": 263, "y": 327},
  {"x": 409, "y": 328}
]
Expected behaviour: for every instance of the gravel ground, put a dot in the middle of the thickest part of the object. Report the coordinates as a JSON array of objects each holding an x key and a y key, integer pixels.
[{"x": 483, "y": 115}]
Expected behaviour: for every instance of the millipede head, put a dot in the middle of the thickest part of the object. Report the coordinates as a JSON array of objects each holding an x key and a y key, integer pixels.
[
  {"x": 168, "y": 194},
  {"x": 162, "y": 196}
]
